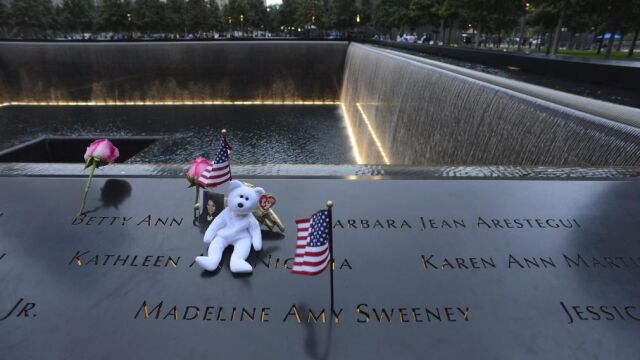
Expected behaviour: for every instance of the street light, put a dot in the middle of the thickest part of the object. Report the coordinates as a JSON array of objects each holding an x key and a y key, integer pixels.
[
  {"x": 358, "y": 19},
  {"x": 242, "y": 24}
]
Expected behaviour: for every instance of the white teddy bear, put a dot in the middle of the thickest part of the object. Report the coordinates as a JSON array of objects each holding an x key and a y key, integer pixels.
[{"x": 235, "y": 226}]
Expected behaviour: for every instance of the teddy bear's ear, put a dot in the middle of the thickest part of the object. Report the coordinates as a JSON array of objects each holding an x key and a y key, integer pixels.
[
  {"x": 259, "y": 191},
  {"x": 235, "y": 184}
]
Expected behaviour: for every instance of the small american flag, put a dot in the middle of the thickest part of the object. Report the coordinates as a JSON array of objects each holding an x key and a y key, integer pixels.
[
  {"x": 219, "y": 172},
  {"x": 312, "y": 246}
]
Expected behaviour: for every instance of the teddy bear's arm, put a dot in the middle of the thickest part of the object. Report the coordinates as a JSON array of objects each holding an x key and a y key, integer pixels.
[
  {"x": 256, "y": 235},
  {"x": 217, "y": 224}
]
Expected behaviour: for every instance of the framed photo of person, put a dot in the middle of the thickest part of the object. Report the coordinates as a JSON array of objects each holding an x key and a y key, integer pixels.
[{"x": 212, "y": 206}]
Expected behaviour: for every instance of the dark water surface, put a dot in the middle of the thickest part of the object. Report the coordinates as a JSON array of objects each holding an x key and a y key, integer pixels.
[{"x": 260, "y": 134}]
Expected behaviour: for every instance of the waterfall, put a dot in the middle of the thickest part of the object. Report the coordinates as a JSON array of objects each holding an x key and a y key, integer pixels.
[{"x": 406, "y": 112}]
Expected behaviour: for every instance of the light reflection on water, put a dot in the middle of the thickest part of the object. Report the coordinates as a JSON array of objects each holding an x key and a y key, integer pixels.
[{"x": 270, "y": 134}]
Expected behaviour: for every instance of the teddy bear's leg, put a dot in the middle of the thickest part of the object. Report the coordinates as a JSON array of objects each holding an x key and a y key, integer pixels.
[
  {"x": 216, "y": 249},
  {"x": 241, "y": 249}
]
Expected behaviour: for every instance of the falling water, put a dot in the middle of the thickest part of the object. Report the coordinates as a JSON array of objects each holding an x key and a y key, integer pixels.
[{"x": 405, "y": 112}]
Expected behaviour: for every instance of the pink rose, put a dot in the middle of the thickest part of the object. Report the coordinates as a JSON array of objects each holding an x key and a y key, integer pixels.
[
  {"x": 198, "y": 166},
  {"x": 102, "y": 150}
]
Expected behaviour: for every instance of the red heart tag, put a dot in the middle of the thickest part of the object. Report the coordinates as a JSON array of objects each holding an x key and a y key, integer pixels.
[{"x": 267, "y": 202}]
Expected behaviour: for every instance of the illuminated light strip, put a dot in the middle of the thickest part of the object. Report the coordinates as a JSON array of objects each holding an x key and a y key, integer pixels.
[
  {"x": 160, "y": 103},
  {"x": 373, "y": 134},
  {"x": 352, "y": 137}
]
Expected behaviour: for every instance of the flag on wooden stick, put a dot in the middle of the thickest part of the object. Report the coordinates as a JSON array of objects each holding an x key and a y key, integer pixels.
[{"x": 219, "y": 172}]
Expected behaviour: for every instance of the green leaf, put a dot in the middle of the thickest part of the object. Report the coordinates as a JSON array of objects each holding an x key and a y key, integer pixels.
[{"x": 88, "y": 164}]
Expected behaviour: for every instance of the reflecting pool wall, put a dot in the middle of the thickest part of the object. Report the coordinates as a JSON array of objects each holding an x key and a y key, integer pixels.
[
  {"x": 272, "y": 71},
  {"x": 405, "y": 112}
]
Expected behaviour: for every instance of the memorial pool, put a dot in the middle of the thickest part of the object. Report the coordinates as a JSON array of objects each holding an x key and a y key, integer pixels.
[
  {"x": 261, "y": 134},
  {"x": 297, "y": 102}
]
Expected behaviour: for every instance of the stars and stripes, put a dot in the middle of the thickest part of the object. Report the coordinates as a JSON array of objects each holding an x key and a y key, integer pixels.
[
  {"x": 219, "y": 172},
  {"x": 312, "y": 245}
]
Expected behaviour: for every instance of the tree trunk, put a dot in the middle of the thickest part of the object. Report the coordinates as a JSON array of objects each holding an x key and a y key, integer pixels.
[
  {"x": 548, "y": 43},
  {"x": 478, "y": 36},
  {"x": 558, "y": 29},
  {"x": 633, "y": 43},
  {"x": 600, "y": 44},
  {"x": 441, "y": 30},
  {"x": 571, "y": 42},
  {"x": 583, "y": 42},
  {"x": 521, "y": 31},
  {"x": 619, "y": 47},
  {"x": 451, "y": 30},
  {"x": 612, "y": 37}
]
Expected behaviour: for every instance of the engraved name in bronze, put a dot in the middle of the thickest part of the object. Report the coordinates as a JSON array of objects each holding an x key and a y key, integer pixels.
[
  {"x": 21, "y": 309},
  {"x": 588, "y": 313},
  {"x": 146, "y": 221},
  {"x": 87, "y": 258},
  {"x": 434, "y": 262},
  {"x": 362, "y": 313},
  {"x": 434, "y": 224}
]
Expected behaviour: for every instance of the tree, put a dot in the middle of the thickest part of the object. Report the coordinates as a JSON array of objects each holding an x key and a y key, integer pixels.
[
  {"x": 630, "y": 22},
  {"x": 342, "y": 14},
  {"x": 366, "y": 12},
  {"x": 273, "y": 21},
  {"x": 489, "y": 16},
  {"x": 614, "y": 16},
  {"x": 392, "y": 13},
  {"x": 115, "y": 16},
  {"x": 634, "y": 24},
  {"x": 77, "y": 15},
  {"x": 197, "y": 16},
  {"x": 288, "y": 13},
  {"x": 558, "y": 14},
  {"x": 234, "y": 13},
  {"x": 149, "y": 16},
  {"x": 176, "y": 22},
  {"x": 31, "y": 18},
  {"x": 311, "y": 12},
  {"x": 256, "y": 14},
  {"x": 423, "y": 12},
  {"x": 214, "y": 15},
  {"x": 4, "y": 19},
  {"x": 449, "y": 16}
]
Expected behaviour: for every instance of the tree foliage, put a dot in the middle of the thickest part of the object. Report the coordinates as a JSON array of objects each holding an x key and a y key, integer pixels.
[
  {"x": 149, "y": 16},
  {"x": 215, "y": 17},
  {"x": 176, "y": 12},
  {"x": 4, "y": 17},
  {"x": 39, "y": 18},
  {"x": 412, "y": 13},
  {"x": 31, "y": 18},
  {"x": 77, "y": 15},
  {"x": 343, "y": 14},
  {"x": 197, "y": 17},
  {"x": 115, "y": 16}
]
